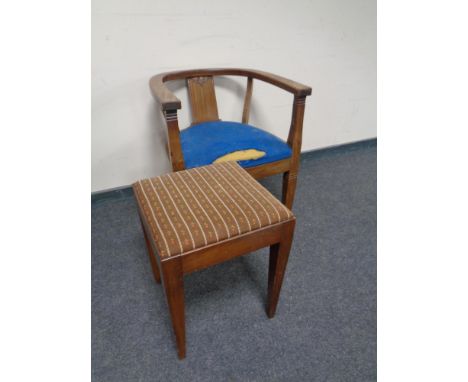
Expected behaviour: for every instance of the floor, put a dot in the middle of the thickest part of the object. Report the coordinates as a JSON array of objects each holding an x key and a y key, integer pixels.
[{"x": 325, "y": 325}]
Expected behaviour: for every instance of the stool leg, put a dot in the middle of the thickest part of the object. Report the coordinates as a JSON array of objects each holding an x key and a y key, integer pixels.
[
  {"x": 154, "y": 263},
  {"x": 174, "y": 286},
  {"x": 279, "y": 254}
]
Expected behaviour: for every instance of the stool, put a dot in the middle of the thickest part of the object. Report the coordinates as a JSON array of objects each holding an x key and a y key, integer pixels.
[{"x": 197, "y": 218}]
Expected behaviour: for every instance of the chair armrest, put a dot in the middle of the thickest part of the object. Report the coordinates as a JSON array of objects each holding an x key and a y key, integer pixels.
[
  {"x": 162, "y": 94},
  {"x": 298, "y": 89}
]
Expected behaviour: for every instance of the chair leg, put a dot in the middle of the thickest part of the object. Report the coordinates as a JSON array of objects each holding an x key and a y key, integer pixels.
[
  {"x": 289, "y": 188},
  {"x": 154, "y": 263},
  {"x": 174, "y": 286},
  {"x": 279, "y": 254}
]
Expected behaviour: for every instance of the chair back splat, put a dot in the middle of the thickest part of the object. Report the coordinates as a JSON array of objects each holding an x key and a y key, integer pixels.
[{"x": 202, "y": 98}]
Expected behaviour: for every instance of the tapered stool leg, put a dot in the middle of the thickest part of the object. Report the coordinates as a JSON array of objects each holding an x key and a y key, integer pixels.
[
  {"x": 154, "y": 262},
  {"x": 279, "y": 254},
  {"x": 174, "y": 286}
]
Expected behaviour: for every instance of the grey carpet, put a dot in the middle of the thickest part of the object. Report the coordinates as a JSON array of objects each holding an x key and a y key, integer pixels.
[{"x": 325, "y": 325}]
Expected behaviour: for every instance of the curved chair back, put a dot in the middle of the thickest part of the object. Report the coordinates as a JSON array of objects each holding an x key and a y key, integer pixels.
[{"x": 202, "y": 95}]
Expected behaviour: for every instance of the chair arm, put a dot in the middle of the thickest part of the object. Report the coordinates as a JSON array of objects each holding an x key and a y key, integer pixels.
[
  {"x": 162, "y": 94},
  {"x": 291, "y": 86}
]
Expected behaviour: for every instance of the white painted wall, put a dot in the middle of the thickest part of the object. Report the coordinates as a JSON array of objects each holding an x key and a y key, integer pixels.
[{"x": 327, "y": 44}]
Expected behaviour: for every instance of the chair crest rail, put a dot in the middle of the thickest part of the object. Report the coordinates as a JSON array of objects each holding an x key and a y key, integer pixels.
[{"x": 169, "y": 101}]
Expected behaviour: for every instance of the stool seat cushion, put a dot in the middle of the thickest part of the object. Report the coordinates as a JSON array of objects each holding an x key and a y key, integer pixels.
[
  {"x": 206, "y": 142},
  {"x": 190, "y": 209}
]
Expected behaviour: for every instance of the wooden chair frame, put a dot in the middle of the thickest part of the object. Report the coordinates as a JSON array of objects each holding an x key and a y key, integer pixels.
[{"x": 203, "y": 102}]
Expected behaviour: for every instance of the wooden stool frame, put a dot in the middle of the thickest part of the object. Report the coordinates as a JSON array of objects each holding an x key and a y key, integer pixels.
[{"x": 171, "y": 270}]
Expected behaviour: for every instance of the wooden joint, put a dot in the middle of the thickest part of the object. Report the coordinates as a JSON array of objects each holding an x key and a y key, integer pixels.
[{"x": 200, "y": 80}]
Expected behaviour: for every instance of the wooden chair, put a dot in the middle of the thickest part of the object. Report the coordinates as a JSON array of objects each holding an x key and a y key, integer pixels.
[{"x": 183, "y": 147}]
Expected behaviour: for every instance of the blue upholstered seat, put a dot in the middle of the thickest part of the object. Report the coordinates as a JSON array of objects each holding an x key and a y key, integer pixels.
[{"x": 205, "y": 142}]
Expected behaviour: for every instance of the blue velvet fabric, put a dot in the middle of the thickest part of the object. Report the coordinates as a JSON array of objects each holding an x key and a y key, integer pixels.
[{"x": 205, "y": 142}]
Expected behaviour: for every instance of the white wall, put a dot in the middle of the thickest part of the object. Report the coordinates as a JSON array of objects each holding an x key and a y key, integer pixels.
[{"x": 329, "y": 45}]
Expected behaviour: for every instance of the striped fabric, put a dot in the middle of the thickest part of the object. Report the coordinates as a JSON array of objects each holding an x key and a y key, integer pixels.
[{"x": 190, "y": 209}]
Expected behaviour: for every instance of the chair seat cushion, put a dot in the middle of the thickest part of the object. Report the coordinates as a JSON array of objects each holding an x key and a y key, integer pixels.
[
  {"x": 204, "y": 143},
  {"x": 191, "y": 209}
]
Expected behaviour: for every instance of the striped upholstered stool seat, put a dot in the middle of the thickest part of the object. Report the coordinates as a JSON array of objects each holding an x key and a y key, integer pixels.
[
  {"x": 194, "y": 208},
  {"x": 199, "y": 217}
]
